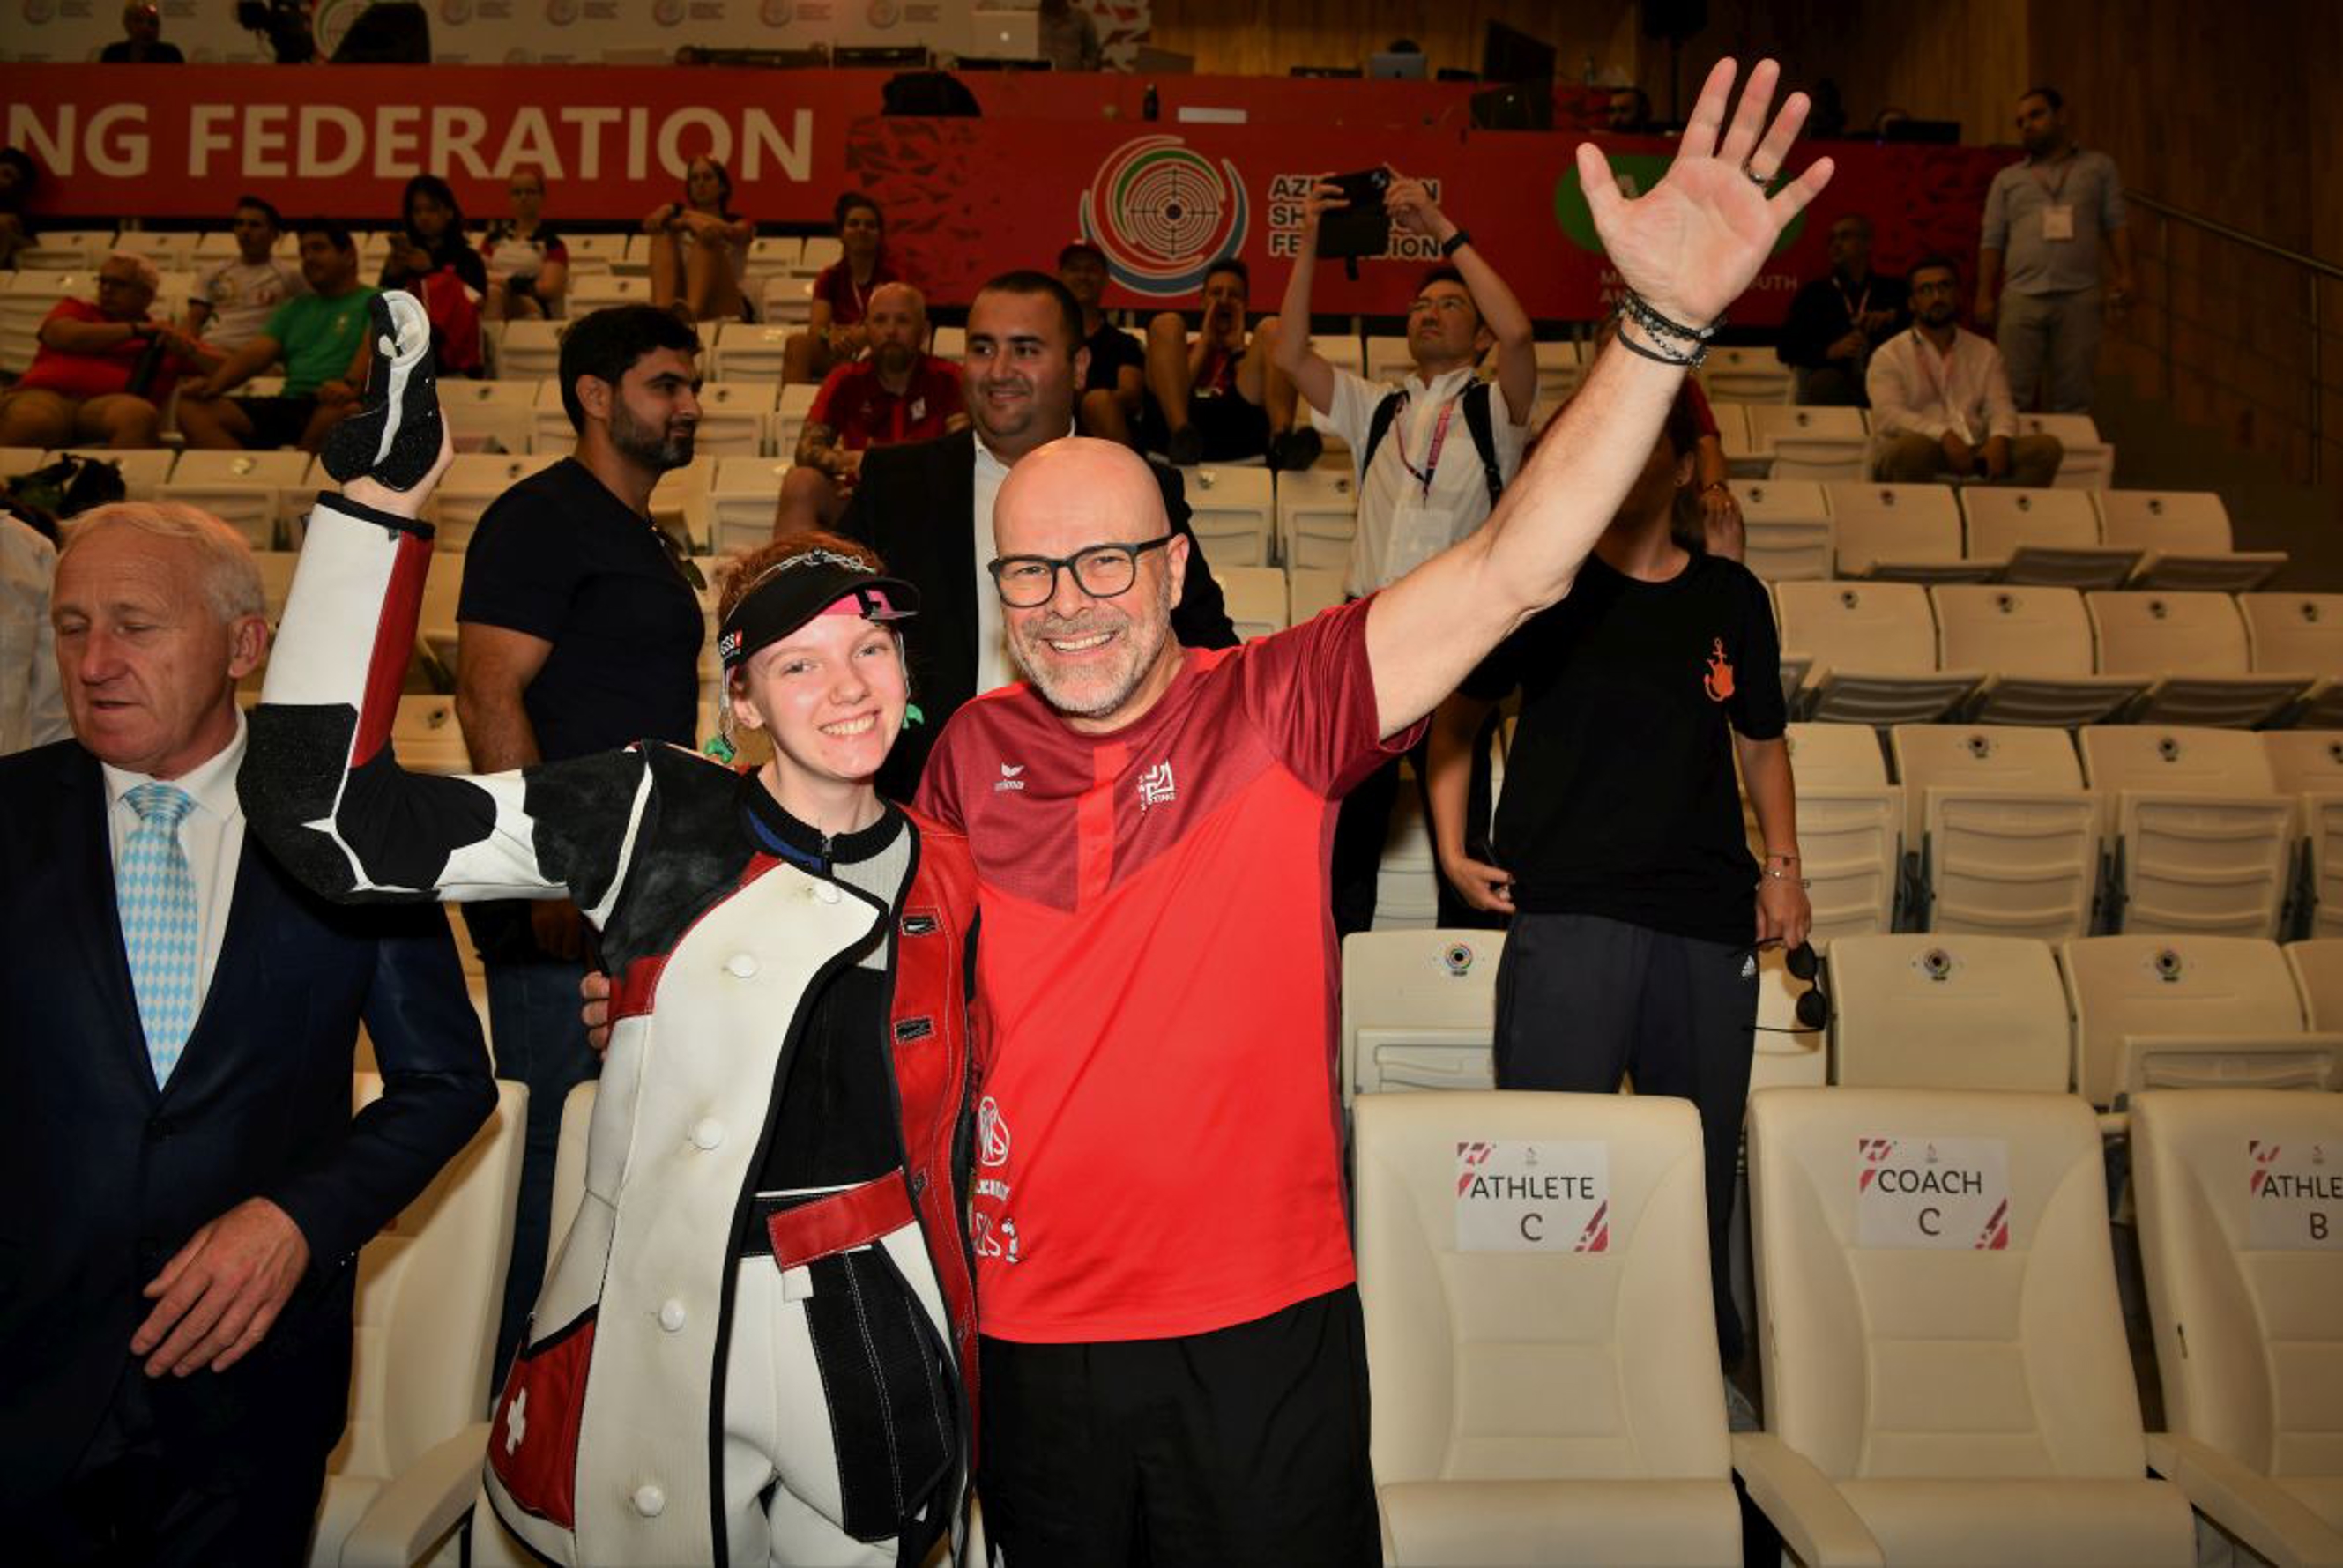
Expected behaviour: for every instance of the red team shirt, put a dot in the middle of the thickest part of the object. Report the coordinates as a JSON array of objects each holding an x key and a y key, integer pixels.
[
  {"x": 1157, "y": 1131},
  {"x": 853, "y": 403}
]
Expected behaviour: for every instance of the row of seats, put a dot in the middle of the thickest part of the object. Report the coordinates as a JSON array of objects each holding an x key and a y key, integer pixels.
[
  {"x": 1939, "y": 1330},
  {"x": 1881, "y": 653},
  {"x": 2062, "y": 538},
  {"x": 1776, "y": 441},
  {"x": 2107, "y": 1018}
]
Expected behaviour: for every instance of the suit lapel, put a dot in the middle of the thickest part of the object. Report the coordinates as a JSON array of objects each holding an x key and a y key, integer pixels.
[
  {"x": 253, "y": 913},
  {"x": 94, "y": 922}
]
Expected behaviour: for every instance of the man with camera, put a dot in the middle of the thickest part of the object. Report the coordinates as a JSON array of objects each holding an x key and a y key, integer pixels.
[{"x": 1432, "y": 457}]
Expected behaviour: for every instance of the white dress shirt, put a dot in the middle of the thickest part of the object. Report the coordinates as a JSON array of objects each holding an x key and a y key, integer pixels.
[
  {"x": 31, "y": 703},
  {"x": 212, "y": 834},
  {"x": 1402, "y": 523},
  {"x": 994, "y": 667},
  {"x": 1917, "y": 391}
]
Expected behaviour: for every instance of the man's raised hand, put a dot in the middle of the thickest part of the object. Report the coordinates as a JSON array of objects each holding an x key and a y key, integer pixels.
[{"x": 1692, "y": 244}]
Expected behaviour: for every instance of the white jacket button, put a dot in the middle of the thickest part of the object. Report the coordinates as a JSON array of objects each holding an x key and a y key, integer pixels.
[
  {"x": 827, "y": 893},
  {"x": 741, "y": 965},
  {"x": 649, "y": 1501},
  {"x": 671, "y": 1316},
  {"x": 707, "y": 1133}
]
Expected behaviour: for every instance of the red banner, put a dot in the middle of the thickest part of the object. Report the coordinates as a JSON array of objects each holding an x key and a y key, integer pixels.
[{"x": 1051, "y": 159}]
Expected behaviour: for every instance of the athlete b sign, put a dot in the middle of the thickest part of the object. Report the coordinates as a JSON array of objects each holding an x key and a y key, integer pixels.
[
  {"x": 1932, "y": 1193},
  {"x": 1533, "y": 1197}
]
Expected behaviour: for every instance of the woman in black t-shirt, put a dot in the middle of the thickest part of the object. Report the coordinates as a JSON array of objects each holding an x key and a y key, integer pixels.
[
  {"x": 1620, "y": 854},
  {"x": 430, "y": 259}
]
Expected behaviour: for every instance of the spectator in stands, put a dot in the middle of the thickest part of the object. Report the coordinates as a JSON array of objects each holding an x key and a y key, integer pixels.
[
  {"x": 104, "y": 369},
  {"x": 1221, "y": 398},
  {"x": 31, "y": 703},
  {"x": 431, "y": 260},
  {"x": 1426, "y": 476},
  {"x": 1630, "y": 112},
  {"x": 835, "y": 332},
  {"x": 1940, "y": 403},
  {"x": 700, "y": 248},
  {"x": 176, "y": 1071},
  {"x": 19, "y": 175},
  {"x": 142, "y": 41},
  {"x": 2052, "y": 225},
  {"x": 1620, "y": 856},
  {"x": 927, "y": 506},
  {"x": 321, "y": 338},
  {"x": 1068, "y": 36},
  {"x": 528, "y": 264},
  {"x": 1835, "y": 323},
  {"x": 577, "y": 633},
  {"x": 1114, "y": 389},
  {"x": 900, "y": 393},
  {"x": 234, "y": 298}
]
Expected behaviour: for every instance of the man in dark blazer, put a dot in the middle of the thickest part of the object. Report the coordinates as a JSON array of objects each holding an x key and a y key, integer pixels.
[
  {"x": 188, "y": 1189},
  {"x": 927, "y": 507}
]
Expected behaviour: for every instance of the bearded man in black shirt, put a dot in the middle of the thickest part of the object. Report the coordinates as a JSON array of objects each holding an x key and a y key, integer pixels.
[{"x": 1636, "y": 907}]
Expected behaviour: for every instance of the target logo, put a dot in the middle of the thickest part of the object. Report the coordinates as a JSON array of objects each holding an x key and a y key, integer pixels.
[{"x": 1163, "y": 213}]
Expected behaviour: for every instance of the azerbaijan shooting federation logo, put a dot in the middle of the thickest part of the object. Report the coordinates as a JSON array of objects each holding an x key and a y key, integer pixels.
[{"x": 1163, "y": 213}]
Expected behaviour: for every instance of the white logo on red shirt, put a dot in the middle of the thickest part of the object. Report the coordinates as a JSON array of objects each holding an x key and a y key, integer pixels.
[
  {"x": 991, "y": 1132},
  {"x": 1009, "y": 779},
  {"x": 516, "y": 1421},
  {"x": 1156, "y": 787}
]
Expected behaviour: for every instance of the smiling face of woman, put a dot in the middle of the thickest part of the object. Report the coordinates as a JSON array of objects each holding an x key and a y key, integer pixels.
[{"x": 831, "y": 695}]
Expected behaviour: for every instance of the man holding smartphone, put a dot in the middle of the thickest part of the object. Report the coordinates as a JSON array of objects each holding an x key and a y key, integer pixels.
[{"x": 1430, "y": 458}]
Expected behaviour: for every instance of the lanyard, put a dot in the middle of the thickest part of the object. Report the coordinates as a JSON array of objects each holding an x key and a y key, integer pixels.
[
  {"x": 2067, "y": 168},
  {"x": 1855, "y": 308},
  {"x": 1938, "y": 370},
  {"x": 1423, "y": 477}
]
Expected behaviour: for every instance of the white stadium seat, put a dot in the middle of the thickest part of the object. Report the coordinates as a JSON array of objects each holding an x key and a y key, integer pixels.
[
  {"x": 474, "y": 480},
  {"x": 1850, "y": 820},
  {"x": 1550, "y": 1403},
  {"x": 2186, "y": 538},
  {"x": 2300, "y": 632},
  {"x": 1823, "y": 444},
  {"x": 430, "y": 1290},
  {"x": 1233, "y": 512},
  {"x": 1947, "y": 1010},
  {"x": 2307, "y": 765},
  {"x": 788, "y": 422},
  {"x": 1418, "y": 1010},
  {"x": 1874, "y": 648},
  {"x": 427, "y": 736},
  {"x": 2003, "y": 837},
  {"x": 1787, "y": 528},
  {"x": 748, "y": 351},
  {"x": 2188, "y": 1012},
  {"x": 1255, "y": 597},
  {"x": 2194, "y": 647},
  {"x": 2087, "y": 462},
  {"x": 2243, "y": 1270},
  {"x": 736, "y": 417},
  {"x": 742, "y": 502},
  {"x": 2198, "y": 836},
  {"x": 1899, "y": 533},
  {"x": 2046, "y": 537},
  {"x": 2036, "y": 643},
  {"x": 488, "y": 416},
  {"x": 594, "y": 292},
  {"x": 530, "y": 349},
  {"x": 1945, "y": 1374},
  {"x": 2318, "y": 966},
  {"x": 817, "y": 252},
  {"x": 1317, "y": 518},
  {"x": 247, "y": 490},
  {"x": 1739, "y": 374}
]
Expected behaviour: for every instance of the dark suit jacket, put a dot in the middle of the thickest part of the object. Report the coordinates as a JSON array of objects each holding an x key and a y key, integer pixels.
[
  {"x": 914, "y": 504},
  {"x": 107, "y": 1176}
]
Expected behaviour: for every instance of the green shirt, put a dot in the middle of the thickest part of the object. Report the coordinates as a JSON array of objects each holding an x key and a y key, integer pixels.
[{"x": 319, "y": 338}]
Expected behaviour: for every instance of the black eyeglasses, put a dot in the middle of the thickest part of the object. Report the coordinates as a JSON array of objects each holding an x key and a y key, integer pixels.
[{"x": 1102, "y": 571}]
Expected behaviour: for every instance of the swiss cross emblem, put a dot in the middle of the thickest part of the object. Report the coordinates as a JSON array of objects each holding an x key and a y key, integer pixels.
[{"x": 516, "y": 1421}]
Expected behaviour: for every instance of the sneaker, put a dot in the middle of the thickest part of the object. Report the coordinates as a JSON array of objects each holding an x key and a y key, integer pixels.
[
  {"x": 1185, "y": 447},
  {"x": 1297, "y": 450},
  {"x": 394, "y": 438}
]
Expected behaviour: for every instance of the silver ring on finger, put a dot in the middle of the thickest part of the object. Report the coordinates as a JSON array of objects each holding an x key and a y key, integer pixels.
[{"x": 1755, "y": 178}]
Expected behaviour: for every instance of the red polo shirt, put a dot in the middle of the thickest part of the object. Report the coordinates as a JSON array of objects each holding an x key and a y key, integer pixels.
[{"x": 865, "y": 414}]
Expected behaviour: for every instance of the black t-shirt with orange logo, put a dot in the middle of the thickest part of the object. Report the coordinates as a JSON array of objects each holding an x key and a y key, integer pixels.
[{"x": 1620, "y": 798}]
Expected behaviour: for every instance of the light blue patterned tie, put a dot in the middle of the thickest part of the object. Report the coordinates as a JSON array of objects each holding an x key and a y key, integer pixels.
[{"x": 156, "y": 894}]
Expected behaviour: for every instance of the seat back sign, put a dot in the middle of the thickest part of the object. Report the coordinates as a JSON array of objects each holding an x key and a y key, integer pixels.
[
  {"x": 2296, "y": 1187},
  {"x": 1932, "y": 1193},
  {"x": 1522, "y": 1196}
]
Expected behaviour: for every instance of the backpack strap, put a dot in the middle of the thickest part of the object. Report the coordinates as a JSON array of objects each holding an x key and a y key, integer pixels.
[
  {"x": 1379, "y": 426},
  {"x": 1477, "y": 420}
]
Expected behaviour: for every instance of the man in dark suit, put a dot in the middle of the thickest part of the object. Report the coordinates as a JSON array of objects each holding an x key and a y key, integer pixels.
[
  {"x": 188, "y": 1188},
  {"x": 927, "y": 507}
]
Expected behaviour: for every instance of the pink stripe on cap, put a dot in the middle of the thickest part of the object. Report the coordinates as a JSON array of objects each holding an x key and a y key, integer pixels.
[{"x": 853, "y": 604}]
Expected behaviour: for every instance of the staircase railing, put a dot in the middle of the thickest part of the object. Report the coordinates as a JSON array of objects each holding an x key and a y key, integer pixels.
[{"x": 2226, "y": 309}]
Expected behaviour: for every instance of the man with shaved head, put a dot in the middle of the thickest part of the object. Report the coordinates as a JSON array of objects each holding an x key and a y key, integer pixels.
[
  {"x": 899, "y": 393},
  {"x": 1173, "y": 1362}
]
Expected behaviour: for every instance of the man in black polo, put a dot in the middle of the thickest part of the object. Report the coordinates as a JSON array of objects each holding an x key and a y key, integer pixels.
[{"x": 578, "y": 632}]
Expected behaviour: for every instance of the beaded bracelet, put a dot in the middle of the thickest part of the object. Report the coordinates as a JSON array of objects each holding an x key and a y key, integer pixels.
[
  {"x": 1659, "y": 356},
  {"x": 1659, "y": 326}
]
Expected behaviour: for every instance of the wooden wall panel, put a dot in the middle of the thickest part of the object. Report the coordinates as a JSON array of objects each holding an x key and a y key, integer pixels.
[{"x": 1267, "y": 38}]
